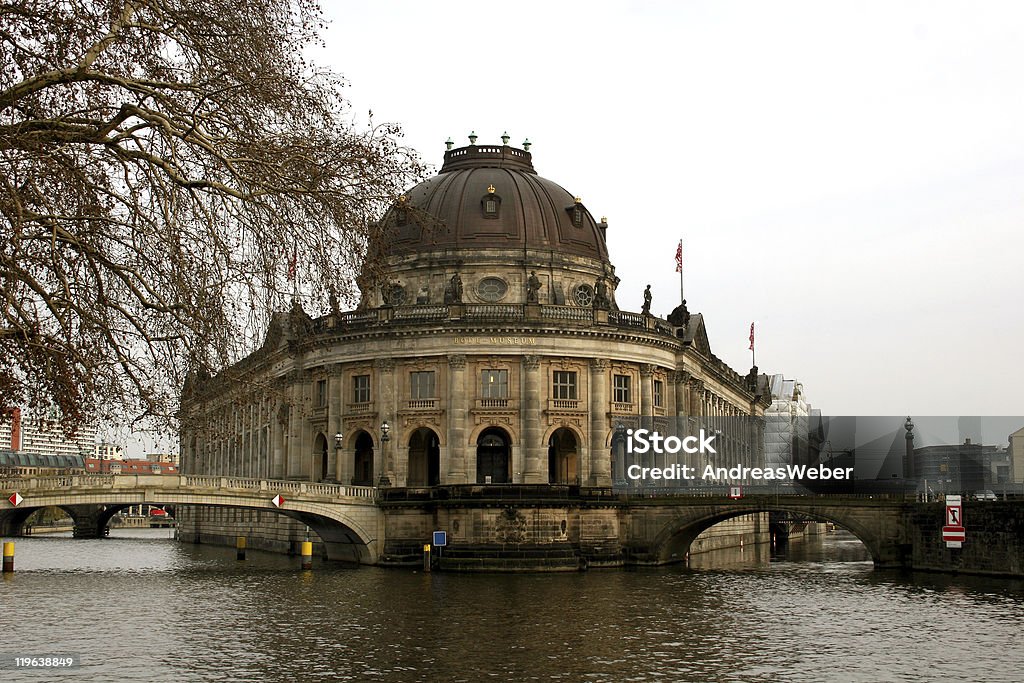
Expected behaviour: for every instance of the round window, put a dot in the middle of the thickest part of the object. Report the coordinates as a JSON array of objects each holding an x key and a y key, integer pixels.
[
  {"x": 492, "y": 289},
  {"x": 583, "y": 295}
]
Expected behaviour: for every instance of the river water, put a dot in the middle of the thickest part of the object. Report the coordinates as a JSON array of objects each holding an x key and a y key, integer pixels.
[{"x": 142, "y": 607}]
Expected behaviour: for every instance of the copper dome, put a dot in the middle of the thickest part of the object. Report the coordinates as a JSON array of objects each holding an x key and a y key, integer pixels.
[{"x": 490, "y": 197}]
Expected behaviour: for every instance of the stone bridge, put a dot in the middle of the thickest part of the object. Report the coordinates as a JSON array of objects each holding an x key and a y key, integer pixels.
[
  {"x": 899, "y": 534},
  {"x": 602, "y": 528},
  {"x": 346, "y": 518},
  {"x": 535, "y": 526}
]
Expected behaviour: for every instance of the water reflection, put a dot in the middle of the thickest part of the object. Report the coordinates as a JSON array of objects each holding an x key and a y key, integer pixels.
[{"x": 150, "y": 609}]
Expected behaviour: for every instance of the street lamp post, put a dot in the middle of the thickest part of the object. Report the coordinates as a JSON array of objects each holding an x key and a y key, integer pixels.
[
  {"x": 385, "y": 438},
  {"x": 338, "y": 439}
]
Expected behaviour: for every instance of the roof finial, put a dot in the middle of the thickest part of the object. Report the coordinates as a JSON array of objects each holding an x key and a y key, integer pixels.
[
  {"x": 504, "y": 138},
  {"x": 526, "y": 144},
  {"x": 472, "y": 137},
  {"x": 578, "y": 200},
  {"x": 448, "y": 143}
]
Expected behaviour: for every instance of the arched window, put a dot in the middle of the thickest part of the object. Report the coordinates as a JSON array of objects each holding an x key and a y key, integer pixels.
[
  {"x": 491, "y": 203},
  {"x": 576, "y": 212}
]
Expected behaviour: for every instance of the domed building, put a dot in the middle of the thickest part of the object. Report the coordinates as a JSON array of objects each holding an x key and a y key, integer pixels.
[{"x": 488, "y": 353}]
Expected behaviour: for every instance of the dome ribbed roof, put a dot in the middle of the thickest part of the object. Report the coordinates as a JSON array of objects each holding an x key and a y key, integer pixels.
[{"x": 453, "y": 211}]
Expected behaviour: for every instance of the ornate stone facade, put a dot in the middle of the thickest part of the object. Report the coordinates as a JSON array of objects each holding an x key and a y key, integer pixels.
[{"x": 520, "y": 376}]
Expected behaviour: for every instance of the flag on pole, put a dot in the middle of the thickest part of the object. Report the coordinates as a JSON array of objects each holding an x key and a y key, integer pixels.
[
  {"x": 751, "y": 336},
  {"x": 679, "y": 257}
]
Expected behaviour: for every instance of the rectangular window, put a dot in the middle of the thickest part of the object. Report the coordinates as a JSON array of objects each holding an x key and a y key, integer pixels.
[
  {"x": 622, "y": 392},
  {"x": 494, "y": 384},
  {"x": 659, "y": 392},
  {"x": 361, "y": 389},
  {"x": 321, "y": 393},
  {"x": 564, "y": 384},
  {"x": 421, "y": 384}
]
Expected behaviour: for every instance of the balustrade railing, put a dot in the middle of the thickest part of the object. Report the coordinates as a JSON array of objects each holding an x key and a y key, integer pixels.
[
  {"x": 421, "y": 313},
  {"x": 421, "y": 403},
  {"x": 494, "y": 312},
  {"x": 193, "y": 481},
  {"x": 563, "y": 404},
  {"x": 571, "y": 313},
  {"x": 494, "y": 403}
]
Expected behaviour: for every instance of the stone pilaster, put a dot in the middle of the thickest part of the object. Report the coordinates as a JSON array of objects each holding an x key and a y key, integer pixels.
[
  {"x": 335, "y": 401},
  {"x": 531, "y": 417},
  {"x": 600, "y": 457},
  {"x": 385, "y": 459},
  {"x": 456, "y": 407}
]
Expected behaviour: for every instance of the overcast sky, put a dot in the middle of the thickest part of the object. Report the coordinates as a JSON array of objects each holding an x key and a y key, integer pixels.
[{"x": 849, "y": 175}]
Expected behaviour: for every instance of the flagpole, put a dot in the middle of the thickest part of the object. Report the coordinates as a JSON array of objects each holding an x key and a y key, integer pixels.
[
  {"x": 682, "y": 297},
  {"x": 679, "y": 267},
  {"x": 753, "y": 357}
]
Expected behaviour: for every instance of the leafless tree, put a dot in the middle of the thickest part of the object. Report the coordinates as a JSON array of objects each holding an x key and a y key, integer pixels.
[{"x": 168, "y": 170}]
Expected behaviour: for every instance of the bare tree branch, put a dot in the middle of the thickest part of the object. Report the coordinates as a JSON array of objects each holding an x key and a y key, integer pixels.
[{"x": 160, "y": 164}]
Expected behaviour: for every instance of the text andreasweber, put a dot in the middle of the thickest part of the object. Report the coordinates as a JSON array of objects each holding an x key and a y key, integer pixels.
[{"x": 642, "y": 441}]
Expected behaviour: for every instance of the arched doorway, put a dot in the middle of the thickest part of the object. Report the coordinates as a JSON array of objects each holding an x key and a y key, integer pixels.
[
  {"x": 320, "y": 457},
  {"x": 563, "y": 457},
  {"x": 424, "y": 458},
  {"x": 492, "y": 457},
  {"x": 363, "y": 466}
]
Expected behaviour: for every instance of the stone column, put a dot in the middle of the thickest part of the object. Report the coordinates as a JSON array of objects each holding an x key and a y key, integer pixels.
[
  {"x": 293, "y": 465},
  {"x": 600, "y": 457},
  {"x": 647, "y": 409},
  {"x": 696, "y": 418},
  {"x": 531, "y": 421},
  {"x": 680, "y": 379},
  {"x": 457, "y": 398}
]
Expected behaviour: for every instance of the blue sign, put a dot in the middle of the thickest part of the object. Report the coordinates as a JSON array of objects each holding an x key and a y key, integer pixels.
[{"x": 440, "y": 538}]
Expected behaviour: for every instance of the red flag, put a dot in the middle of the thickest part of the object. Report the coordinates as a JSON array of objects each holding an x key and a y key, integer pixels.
[
  {"x": 679, "y": 257},
  {"x": 292, "y": 263},
  {"x": 751, "y": 336}
]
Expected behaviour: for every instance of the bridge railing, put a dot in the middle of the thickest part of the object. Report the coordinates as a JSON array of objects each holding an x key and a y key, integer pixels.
[{"x": 163, "y": 481}]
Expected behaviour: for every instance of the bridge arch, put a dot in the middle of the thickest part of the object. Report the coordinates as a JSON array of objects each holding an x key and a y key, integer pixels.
[
  {"x": 673, "y": 541},
  {"x": 349, "y": 533}
]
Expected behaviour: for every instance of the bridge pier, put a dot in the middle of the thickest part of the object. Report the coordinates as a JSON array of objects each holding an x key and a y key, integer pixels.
[{"x": 90, "y": 520}]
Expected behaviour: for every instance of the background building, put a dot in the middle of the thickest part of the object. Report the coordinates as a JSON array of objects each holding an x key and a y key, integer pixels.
[
  {"x": 20, "y": 431},
  {"x": 1016, "y": 449},
  {"x": 787, "y": 423}
]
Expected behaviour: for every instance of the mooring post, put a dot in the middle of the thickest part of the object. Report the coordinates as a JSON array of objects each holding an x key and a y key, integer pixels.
[
  {"x": 8, "y": 557},
  {"x": 307, "y": 554},
  {"x": 240, "y": 548},
  {"x": 426, "y": 557}
]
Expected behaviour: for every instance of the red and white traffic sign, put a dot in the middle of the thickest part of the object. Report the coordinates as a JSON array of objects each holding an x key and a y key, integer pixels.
[
  {"x": 15, "y": 499},
  {"x": 277, "y": 500},
  {"x": 954, "y": 516},
  {"x": 735, "y": 491},
  {"x": 954, "y": 533}
]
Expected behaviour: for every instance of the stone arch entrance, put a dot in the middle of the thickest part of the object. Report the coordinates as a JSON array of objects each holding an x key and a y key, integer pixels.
[
  {"x": 363, "y": 460},
  {"x": 320, "y": 470},
  {"x": 424, "y": 458},
  {"x": 492, "y": 457},
  {"x": 563, "y": 457}
]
